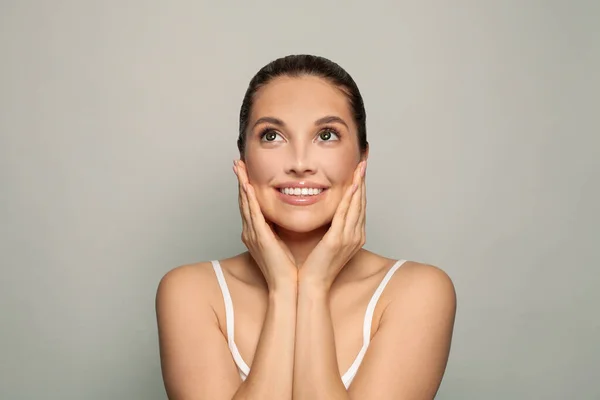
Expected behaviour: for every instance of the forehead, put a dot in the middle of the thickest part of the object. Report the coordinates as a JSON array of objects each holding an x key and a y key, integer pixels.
[{"x": 305, "y": 97}]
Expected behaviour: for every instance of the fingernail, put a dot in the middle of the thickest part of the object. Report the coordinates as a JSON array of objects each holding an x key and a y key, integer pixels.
[
  {"x": 363, "y": 169},
  {"x": 354, "y": 187}
]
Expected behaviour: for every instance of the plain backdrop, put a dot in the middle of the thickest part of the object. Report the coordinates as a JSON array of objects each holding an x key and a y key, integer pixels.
[{"x": 118, "y": 124}]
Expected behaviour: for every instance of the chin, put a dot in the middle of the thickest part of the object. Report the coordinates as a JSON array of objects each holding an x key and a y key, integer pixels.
[{"x": 300, "y": 223}]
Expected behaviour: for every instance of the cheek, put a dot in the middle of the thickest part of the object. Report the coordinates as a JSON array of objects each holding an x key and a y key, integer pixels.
[
  {"x": 339, "y": 170},
  {"x": 259, "y": 170}
]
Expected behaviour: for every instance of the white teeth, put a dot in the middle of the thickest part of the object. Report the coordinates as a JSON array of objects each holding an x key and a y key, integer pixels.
[{"x": 300, "y": 191}]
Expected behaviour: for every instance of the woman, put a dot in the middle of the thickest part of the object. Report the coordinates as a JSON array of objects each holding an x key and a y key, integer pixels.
[{"x": 312, "y": 318}]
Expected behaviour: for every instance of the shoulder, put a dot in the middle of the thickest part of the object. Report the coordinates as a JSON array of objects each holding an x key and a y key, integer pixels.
[
  {"x": 198, "y": 281},
  {"x": 185, "y": 300},
  {"x": 192, "y": 344},
  {"x": 425, "y": 276},
  {"x": 185, "y": 279},
  {"x": 410, "y": 278},
  {"x": 409, "y": 352},
  {"x": 184, "y": 289},
  {"x": 423, "y": 288}
]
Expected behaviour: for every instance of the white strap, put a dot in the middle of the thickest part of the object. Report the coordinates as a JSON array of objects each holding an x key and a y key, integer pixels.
[
  {"x": 367, "y": 324},
  {"x": 368, "y": 321},
  {"x": 229, "y": 317}
]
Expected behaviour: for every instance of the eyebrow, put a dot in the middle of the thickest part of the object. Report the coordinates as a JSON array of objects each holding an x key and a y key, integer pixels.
[
  {"x": 331, "y": 119},
  {"x": 321, "y": 121}
]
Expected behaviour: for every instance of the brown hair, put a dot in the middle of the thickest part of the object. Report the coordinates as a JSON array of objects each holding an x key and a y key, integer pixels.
[{"x": 298, "y": 65}]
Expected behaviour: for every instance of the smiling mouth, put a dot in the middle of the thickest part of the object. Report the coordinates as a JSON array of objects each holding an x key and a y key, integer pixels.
[
  {"x": 301, "y": 192},
  {"x": 305, "y": 196}
]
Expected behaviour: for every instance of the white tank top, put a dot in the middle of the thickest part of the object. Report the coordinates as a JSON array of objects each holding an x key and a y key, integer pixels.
[{"x": 347, "y": 378}]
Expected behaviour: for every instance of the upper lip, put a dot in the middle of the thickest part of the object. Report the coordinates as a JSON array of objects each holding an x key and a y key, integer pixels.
[{"x": 301, "y": 184}]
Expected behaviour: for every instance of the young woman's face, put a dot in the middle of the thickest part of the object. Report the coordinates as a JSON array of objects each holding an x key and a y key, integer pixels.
[{"x": 301, "y": 139}]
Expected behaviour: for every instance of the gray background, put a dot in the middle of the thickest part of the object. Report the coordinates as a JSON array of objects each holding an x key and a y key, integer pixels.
[{"x": 118, "y": 123}]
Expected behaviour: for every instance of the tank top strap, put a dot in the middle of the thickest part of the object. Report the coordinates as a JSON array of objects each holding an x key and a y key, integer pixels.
[
  {"x": 229, "y": 318},
  {"x": 367, "y": 323}
]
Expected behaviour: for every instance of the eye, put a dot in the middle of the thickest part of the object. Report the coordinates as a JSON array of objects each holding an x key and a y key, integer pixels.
[
  {"x": 328, "y": 135},
  {"x": 269, "y": 135}
]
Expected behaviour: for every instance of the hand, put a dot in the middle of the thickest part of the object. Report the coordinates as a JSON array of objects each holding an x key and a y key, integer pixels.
[
  {"x": 343, "y": 240},
  {"x": 269, "y": 252}
]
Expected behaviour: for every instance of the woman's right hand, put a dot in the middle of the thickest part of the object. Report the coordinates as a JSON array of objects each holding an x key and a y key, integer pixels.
[{"x": 269, "y": 252}]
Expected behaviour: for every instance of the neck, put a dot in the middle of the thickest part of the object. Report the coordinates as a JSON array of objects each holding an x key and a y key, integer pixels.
[{"x": 301, "y": 244}]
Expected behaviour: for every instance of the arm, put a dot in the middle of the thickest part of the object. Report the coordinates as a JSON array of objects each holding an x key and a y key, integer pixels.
[
  {"x": 408, "y": 355},
  {"x": 195, "y": 358},
  {"x": 272, "y": 368},
  {"x": 406, "y": 358},
  {"x": 316, "y": 371}
]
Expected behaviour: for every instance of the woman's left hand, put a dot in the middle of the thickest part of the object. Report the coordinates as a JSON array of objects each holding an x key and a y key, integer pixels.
[{"x": 343, "y": 240}]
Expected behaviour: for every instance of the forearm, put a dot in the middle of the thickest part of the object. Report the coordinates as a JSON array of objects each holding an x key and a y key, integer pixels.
[
  {"x": 271, "y": 375},
  {"x": 316, "y": 371}
]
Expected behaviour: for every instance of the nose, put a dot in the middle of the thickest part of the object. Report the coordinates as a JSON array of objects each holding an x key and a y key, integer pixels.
[{"x": 300, "y": 162}]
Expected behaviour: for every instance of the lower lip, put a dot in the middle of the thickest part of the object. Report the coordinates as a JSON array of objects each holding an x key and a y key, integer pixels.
[{"x": 301, "y": 200}]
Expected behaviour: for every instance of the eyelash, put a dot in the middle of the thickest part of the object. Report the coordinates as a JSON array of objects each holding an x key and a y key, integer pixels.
[{"x": 336, "y": 132}]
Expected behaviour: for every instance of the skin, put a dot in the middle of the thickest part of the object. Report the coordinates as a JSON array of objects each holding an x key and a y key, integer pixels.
[{"x": 301, "y": 290}]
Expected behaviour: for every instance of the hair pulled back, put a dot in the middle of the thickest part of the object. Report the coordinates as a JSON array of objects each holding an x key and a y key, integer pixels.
[{"x": 305, "y": 65}]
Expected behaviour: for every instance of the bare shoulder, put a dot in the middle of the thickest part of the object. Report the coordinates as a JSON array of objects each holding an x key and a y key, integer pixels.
[
  {"x": 412, "y": 272},
  {"x": 408, "y": 355},
  {"x": 417, "y": 283},
  {"x": 185, "y": 293},
  {"x": 421, "y": 292},
  {"x": 193, "y": 349},
  {"x": 198, "y": 280},
  {"x": 186, "y": 281}
]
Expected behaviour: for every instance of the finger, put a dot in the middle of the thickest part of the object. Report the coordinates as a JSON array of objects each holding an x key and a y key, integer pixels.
[
  {"x": 254, "y": 211},
  {"x": 235, "y": 171},
  {"x": 240, "y": 190},
  {"x": 245, "y": 186},
  {"x": 242, "y": 172},
  {"x": 363, "y": 209},
  {"x": 363, "y": 191},
  {"x": 364, "y": 196},
  {"x": 354, "y": 211},
  {"x": 244, "y": 206},
  {"x": 337, "y": 225},
  {"x": 258, "y": 220}
]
